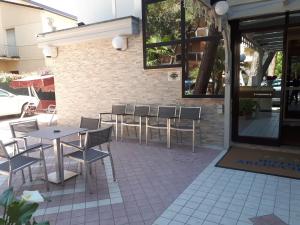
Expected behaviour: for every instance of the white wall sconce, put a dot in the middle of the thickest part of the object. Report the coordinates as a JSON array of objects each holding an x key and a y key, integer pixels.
[
  {"x": 50, "y": 51},
  {"x": 119, "y": 43},
  {"x": 221, "y": 7}
]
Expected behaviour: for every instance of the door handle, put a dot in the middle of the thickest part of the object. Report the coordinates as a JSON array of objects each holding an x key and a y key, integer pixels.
[{"x": 263, "y": 94}]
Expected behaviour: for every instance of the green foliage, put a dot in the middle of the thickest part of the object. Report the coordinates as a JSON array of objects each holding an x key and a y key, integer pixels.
[
  {"x": 163, "y": 20},
  {"x": 247, "y": 107},
  {"x": 17, "y": 212},
  {"x": 278, "y": 64}
]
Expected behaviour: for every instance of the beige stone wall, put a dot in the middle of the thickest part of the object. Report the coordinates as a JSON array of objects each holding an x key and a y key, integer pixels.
[{"x": 91, "y": 76}]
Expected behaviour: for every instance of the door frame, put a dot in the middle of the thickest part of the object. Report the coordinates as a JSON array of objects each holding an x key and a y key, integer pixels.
[{"x": 235, "y": 48}]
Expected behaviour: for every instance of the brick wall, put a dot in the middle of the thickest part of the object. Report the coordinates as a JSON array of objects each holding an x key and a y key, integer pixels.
[{"x": 91, "y": 76}]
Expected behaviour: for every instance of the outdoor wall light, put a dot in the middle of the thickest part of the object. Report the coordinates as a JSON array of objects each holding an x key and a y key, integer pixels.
[
  {"x": 119, "y": 43},
  {"x": 50, "y": 51},
  {"x": 221, "y": 6}
]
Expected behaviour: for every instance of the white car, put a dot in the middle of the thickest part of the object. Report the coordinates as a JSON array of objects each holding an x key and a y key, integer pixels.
[{"x": 11, "y": 104}]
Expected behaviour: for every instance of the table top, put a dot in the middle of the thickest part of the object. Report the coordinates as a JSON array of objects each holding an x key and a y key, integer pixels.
[{"x": 55, "y": 132}]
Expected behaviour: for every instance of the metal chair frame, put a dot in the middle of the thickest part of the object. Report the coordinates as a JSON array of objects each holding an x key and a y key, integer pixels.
[
  {"x": 118, "y": 110},
  {"x": 195, "y": 119},
  {"x": 145, "y": 110},
  {"x": 89, "y": 147},
  {"x": 19, "y": 162},
  {"x": 158, "y": 117},
  {"x": 23, "y": 127}
]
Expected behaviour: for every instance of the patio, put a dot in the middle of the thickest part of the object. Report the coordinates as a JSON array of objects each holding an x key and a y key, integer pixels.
[{"x": 149, "y": 178}]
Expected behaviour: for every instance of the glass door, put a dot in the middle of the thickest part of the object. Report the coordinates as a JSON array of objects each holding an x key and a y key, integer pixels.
[
  {"x": 257, "y": 99},
  {"x": 291, "y": 119}
]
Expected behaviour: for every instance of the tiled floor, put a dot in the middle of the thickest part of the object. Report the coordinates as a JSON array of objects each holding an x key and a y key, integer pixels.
[
  {"x": 221, "y": 196},
  {"x": 149, "y": 179}
]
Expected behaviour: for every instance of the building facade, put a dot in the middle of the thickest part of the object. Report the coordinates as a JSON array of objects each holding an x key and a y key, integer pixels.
[
  {"x": 93, "y": 75},
  {"x": 20, "y": 22}
]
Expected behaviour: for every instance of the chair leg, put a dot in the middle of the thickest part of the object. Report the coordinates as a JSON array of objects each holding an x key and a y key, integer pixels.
[
  {"x": 122, "y": 131},
  {"x": 127, "y": 130},
  {"x": 45, "y": 170},
  {"x": 135, "y": 132},
  {"x": 9, "y": 179},
  {"x": 112, "y": 167},
  {"x": 146, "y": 133},
  {"x": 140, "y": 131},
  {"x": 87, "y": 177},
  {"x": 80, "y": 165},
  {"x": 193, "y": 136},
  {"x": 23, "y": 176},
  {"x": 116, "y": 128},
  {"x": 30, "y": 173},
  {"x": 91, "y": 170}
]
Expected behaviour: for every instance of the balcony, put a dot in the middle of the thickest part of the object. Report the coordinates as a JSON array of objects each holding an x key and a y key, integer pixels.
[{"x": 9, "y": 52}]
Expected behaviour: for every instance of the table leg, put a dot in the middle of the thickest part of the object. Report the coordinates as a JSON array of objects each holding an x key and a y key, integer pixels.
[{"x": 60, "y": 175}]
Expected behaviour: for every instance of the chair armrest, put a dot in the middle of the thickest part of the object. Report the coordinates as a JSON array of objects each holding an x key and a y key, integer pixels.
[
  {"x": 71, "y": 145},
  {"x": 151, "y": 116},
  {"x": 10, "y": 143},
  {"x": 105, "y": 113},
  {"x": 21, "y": 153}
]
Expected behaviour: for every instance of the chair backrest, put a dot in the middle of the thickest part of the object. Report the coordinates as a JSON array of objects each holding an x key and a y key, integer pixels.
[
  {"x": 118, "y": 109},
  {"x": 89, "y": 123},
  {"x": 3, "y": 152},
  {"x": 190, "y": 113},
  {"x": 141, "y": 110},
  {"x": 21, "y": 128},
  {"x": 166, "y": 111},
  {"x": 98, "y": 137}
]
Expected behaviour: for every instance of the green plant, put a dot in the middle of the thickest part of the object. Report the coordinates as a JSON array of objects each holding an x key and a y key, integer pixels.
[
  {"x": 247, "y": 107},
  {"x": 17, "y": 212}
]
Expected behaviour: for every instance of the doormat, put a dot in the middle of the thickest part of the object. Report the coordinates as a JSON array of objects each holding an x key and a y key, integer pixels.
[{"x": 276, "y": 163}]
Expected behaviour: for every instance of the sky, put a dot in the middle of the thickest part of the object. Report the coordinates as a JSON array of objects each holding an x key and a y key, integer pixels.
[{"x": 68, "y": 6}]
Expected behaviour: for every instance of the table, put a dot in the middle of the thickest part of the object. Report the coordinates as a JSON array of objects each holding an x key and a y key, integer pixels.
[{"x": 60, "y": 175}]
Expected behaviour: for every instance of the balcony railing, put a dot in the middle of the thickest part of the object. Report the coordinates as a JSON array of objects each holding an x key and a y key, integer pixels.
[{"x": 9, "y": 51}]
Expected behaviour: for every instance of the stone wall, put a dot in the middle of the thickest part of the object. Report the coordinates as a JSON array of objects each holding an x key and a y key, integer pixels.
[{"x": 91, "y": 76}]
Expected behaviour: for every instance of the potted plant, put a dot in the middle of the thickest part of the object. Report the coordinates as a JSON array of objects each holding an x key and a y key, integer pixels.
[
  {"x": 247, "y": 108},
  {"x": 17, "y": 212}
]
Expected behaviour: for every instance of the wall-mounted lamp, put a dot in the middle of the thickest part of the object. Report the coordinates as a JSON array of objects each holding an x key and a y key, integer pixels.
[
  {"x": 50, "y": 51},
  {"x": 221, "y": 6},
  {"x": 119, "y": 43}
]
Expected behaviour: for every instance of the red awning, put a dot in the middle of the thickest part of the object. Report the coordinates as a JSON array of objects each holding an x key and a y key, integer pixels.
[{"x": 43, "y": 82}]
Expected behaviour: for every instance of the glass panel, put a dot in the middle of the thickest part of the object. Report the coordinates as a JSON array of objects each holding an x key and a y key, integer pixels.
[
  {"x": 263, "y": 22},
  {"x": 163, "y": 21},
  {"x": 260, "y": 84},
  {"x": 197, "y": 81},
  {"x": 163, "y": 55},
  {"x": 294, "y": 18}
]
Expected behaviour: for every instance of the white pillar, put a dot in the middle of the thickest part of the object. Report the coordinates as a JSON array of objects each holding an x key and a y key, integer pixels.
[{"x": 228, "y": 76}]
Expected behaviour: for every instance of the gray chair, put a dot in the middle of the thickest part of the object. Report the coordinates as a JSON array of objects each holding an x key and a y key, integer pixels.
[
  {"x": 92, "y": 151},
  {"x": 19, "y": 161},
  {"x": 117, "y": 112},
  {"x": 19, "y": 131},
  {"x": 135, "y": 120},
  {"x": 161, "y": 120},
  {"x": 183, "y": 122},
  {"x": 89, "y": 124}
]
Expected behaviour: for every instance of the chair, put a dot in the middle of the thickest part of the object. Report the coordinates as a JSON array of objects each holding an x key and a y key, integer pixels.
[
  {"x": 162, "y": 120},
  {"x": 18, "y": 162},
  {"x": 19, "y": 132},
  {"x": 139, "y": 112},
  {"x": 92, "y": 151},
  {"x": 117, "y": 110},
  {"x": 182, "y": 122}
]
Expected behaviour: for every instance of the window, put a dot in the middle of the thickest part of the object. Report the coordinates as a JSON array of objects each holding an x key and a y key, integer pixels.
[
  {"x": 179, "y": 33},
  {"x": 162, "y": 33}
]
